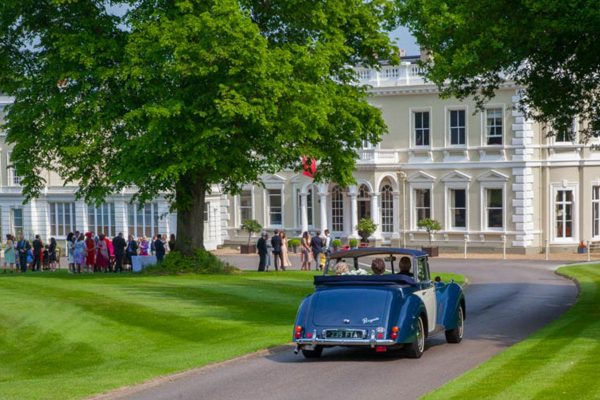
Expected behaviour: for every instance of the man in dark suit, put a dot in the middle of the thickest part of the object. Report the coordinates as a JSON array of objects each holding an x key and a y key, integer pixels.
[
  {"x": 38, "y": 247},
  {"x": 159, "y": 248},
  {"x": 316, "y": 245},
  {"x": 261, "y": 247},
  {"x": 277, "y": 256},
  {"x": 119, "y": 245},
  {"x": 23, "y": 247}
]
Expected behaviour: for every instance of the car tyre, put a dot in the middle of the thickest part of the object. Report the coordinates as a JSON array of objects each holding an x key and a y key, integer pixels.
[
  {"x": 417, "y": 347},
  {"x": 455, "y": 335},
  {"x": 316, "y": 353}
]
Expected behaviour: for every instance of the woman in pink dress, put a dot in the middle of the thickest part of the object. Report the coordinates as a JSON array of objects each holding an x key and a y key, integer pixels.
[
  {"x": 102, "y": 256},
  {"x": 144, "y": 246},
  {"x": 90, "y": 252}
]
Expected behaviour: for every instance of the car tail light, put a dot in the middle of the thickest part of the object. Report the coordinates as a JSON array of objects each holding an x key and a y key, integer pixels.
[
  {"x": 380, "y": 335},
  {"x": 298, "y": 333},
  {"x": 309, "y": 335},
  {"x": 394, "y": 334}
]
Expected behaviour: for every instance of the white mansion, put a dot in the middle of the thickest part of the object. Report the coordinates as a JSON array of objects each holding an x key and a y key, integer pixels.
[{"x": 491, "y": 178}]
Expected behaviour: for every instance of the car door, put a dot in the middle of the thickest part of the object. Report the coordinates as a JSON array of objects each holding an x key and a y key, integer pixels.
[{"x": 426, "y": 291}]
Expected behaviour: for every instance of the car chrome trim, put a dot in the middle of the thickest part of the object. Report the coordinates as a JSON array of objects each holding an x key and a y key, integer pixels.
[{"x": 346, "y": 342}]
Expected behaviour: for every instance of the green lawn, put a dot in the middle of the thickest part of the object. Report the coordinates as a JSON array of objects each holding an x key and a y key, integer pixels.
[
  {"x": 64, "y": 336},
  {"x": 561, "y": 361}
]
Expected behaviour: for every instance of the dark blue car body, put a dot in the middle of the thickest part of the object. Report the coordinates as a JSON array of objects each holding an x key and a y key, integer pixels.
[{"x": 379, "y": 311}]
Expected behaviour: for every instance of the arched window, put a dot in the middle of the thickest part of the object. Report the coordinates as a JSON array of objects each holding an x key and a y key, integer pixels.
[
  {"x": 337, "y": 209},
  {"x": 387, "y": 209},
  {"x": 364, "y": 202}
]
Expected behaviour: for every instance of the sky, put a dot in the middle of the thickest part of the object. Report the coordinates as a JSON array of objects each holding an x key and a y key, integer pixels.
[
  {"x": 403, "y": 38},
  {"x": 406, "y": 41}
]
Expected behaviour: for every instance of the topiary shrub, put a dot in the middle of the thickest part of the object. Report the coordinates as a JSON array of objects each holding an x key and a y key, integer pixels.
[
  {"x": 336, "y": 244},
  {"x": 353, "y": 243},
  {"x": 202, "y": 262},
  {"x": 366, "y": 227}
]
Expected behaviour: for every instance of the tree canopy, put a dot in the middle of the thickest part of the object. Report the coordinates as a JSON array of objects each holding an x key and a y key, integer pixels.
[
  {"x": 173, "y": 96},
  {"x": 547, "y": 46}
]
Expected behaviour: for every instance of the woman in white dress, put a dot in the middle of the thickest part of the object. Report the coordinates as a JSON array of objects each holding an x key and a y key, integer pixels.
[{"x": 285, "y": 260}]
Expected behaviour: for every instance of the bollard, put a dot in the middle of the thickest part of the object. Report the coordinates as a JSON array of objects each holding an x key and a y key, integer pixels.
[
  {"x": 589, "y": 251},
  {"x": 504, "y": 247},
  {"x": 466, "y": 239},
  {"x": 547, "y": 249}
]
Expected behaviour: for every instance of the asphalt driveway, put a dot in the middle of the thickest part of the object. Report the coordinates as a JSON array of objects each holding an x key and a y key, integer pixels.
[{"x": 506, "y": 301}]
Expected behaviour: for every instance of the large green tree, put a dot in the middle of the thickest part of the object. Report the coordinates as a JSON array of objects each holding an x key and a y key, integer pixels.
[
  {"x": 173, "y": 96},
  {"x": 550, "y": 47}
]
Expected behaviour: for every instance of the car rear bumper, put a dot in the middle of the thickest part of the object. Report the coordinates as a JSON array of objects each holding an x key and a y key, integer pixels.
[{"x": 345, "y": 342}]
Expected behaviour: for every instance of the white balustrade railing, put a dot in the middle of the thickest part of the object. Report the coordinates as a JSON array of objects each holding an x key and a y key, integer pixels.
[{"x": 392, "y": 75}]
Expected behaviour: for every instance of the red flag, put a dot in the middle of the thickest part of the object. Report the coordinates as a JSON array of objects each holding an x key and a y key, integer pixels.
[{"x": 309, "y": 169}]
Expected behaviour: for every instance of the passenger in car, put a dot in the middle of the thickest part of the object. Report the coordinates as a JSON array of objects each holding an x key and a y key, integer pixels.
[
  {"x": 405, "y": 266},
  {"x": 341, "y": 268},
  {"x": 378, "y": 266}
]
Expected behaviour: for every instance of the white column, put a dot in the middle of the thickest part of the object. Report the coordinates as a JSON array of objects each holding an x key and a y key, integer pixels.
[
  {"x": 323, "y": 207},
  {"x": 304, "y": 211},
  {"x": 353, "y": 214},
  {"x": 396, "y": 219},
  {"x": 375, "y": 215}
]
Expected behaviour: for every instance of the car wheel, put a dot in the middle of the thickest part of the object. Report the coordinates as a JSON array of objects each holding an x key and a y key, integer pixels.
[
  {"x": 455, "y": 335},
  {"x": 417, "y": 347},
  {"x": 316, "y": 353}
]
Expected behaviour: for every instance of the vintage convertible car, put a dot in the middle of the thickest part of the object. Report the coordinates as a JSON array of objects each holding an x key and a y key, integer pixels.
[{"x": 393, "y": 310}]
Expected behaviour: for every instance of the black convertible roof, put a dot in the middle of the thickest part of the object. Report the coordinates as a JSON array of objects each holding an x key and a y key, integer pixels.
[{"x": 373, "y": 251}]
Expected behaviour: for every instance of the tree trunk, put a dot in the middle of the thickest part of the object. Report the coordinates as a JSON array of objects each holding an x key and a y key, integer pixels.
[{"x": 190, "y": 203}]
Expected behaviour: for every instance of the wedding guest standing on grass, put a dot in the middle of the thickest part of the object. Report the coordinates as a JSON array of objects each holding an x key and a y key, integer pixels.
[
  {"x": 119, "y": 245},
  {"x": 79, "y": 253},
  {"x": 131, "y": 250},
  {"x": 9, "y": 254},
  {"x": 38, "y": 248},
  {"x": 159, "y": 248},
  {"x": 102, "y": 254},
  {"x": 52, "y": 259},
  {"x": 90, "y": 252},
  {"x": 172, "y": 243},
  {"x": 71, "y": 238},
  {"x": 23, "y": 247}
]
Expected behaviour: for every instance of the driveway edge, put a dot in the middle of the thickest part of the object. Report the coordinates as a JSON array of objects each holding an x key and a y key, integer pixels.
[{"x": 154, "y": 382}]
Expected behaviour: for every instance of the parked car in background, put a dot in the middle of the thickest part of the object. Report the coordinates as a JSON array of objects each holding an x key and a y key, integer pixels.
[{"x": 398, "y": 309}]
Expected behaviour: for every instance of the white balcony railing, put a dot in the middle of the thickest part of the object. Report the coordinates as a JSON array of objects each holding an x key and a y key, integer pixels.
[{"x": 396, "y": 75}]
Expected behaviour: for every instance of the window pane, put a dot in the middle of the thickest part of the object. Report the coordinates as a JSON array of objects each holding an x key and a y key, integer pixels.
[
  {"x": 337, "y": 209},
  {"x": 494, "y": 197},
  {"x": 387, "y": 209},
  {"x": 275, "y": 206}
]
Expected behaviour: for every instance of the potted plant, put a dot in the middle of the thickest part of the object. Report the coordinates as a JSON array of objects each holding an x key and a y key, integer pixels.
[
  {"x": 353, "y": 243},
  {"x": 431, "y": 226},
  {"x": 251, "y": 226},
  {"x": 366, "y": 228},
  {"x": 582, "y": 248},
  {"x": 336, "y": 244},
  {"x": 293, "y": 244}
]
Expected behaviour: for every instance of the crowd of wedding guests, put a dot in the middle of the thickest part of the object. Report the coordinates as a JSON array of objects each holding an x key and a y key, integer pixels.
[
  {"x": 314, "y": 249},
  {"x": 87, "y": 252}
]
